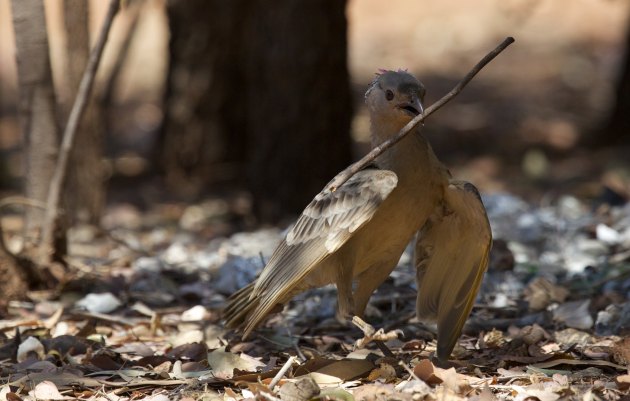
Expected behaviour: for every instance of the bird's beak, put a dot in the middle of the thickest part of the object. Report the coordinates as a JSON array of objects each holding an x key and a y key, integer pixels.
[{"x": 413, "y": 107}]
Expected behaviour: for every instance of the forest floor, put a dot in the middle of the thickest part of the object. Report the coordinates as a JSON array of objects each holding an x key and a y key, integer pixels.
[{"x": 139, "y": 316}]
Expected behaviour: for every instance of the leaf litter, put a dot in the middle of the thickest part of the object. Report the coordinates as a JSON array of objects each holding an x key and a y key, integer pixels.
[{"x": 139, "y": 318}]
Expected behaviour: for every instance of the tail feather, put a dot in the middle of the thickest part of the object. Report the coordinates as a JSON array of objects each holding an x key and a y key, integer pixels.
[{"x": 240, "y": 306}]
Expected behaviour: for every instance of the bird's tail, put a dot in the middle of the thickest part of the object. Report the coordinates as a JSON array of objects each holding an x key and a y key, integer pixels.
[{"x": 240, "y": 305}]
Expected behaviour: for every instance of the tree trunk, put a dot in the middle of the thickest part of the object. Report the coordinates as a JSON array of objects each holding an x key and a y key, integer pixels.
[
  {"x": 203, "y": 138},
  {"x": 85, "y": 197},
  {"x": 616, "y": 130},
  {"x": 37, "y": 103},
  {"x": 299, "y": 109},
  {"x": 260, "y": 95}
]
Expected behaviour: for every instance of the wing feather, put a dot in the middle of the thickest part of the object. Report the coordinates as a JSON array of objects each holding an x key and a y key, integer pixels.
[
  {"x": 451, "y": 258},
  {"x": 324, "y": 226}
]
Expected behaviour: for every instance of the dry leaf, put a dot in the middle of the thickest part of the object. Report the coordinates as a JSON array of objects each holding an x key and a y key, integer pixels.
[
  {"x": 31, "y": 344},
  {"x": 623, "y": 382},
  {"x": 431, "y": 374},
  {"x": 191, "y": 351},
  {"x": 425, "y": 371},
  {"x": 540, "y": 293},
  {"x": 4, "y": 390},
  {"x": 47, "y": 390},
  {"x": 195, "y": 314},
  {"x": 573, "y": 362},
  {"x": 347, "y": 369},
  {"x": 417, "y": 388},
  {"x": 574, "y": 314},
  {"x": 532, "y": 334},
  {"x": 374, "y": 392},
  {"x": 324, "y": 380},
  {"x": 485, "y": 394},
  {"x": 444, "y": 393},
  {"x": 301, "y": 390},
  {"x": 621, "y": 351},
  {"x": 537, "y": 391},
  {"x": 385, "y": 372},
  {"x": 223, "y": 363}
]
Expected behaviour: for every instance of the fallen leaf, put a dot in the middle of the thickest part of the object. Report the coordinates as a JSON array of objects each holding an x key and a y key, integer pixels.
[
  {"x": 373, "y": 392},
  {"x": 536, "y": 391},
  {"x": 385, "y": 372},
  {"x": 59, "y": 378},
  {"x": 4, "y": 390},
  {"x": 444, "y": 393},
  {"x": 157, "y": 397},
  {"x": 347, "y": 369},
  {"x": 573, "y": 362},
  {"x": 30, "y": 345},
  {"x": 223, "y": 363},
  {"x": 195, "y": 314},
  {"x": 621, "y": 351},
  {"x": 197, "y": 351},
  {"x": 336, "y": 394},
  {"x": 623, "y": 382},
  {"x": 485, "y": 394},
  {"x": 541, "y": 292},
  {"x": 324, "y": 380},
  {"x": 425, "y": 371},
  {"x": 431, "y": 374},
  {"x": 300, "y": 390},
  {"x": 417, "y": 388},
  {"x": 574, "y": 314},
  {"x": 47, "y": 390}
]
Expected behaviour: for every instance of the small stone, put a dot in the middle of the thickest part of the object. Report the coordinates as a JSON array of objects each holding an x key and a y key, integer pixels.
[
  {"x": 99, "y": 303},
  {"x": 608, "y": 235},
  {"x": 195, "y": 314}
]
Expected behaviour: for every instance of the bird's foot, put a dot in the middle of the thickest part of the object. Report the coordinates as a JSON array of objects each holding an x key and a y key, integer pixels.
[
  {"x": 344, "y": 319},
  {"x": 371, "y": 334}
]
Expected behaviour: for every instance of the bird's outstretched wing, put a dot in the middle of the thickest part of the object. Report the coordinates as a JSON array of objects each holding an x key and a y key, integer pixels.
[
  {"x": 451, "y": 257},
  {"x": 324, "y": 226}
]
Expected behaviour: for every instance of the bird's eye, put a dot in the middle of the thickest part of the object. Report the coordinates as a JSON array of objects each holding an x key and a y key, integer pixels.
[{"x": 389, "y": 95}]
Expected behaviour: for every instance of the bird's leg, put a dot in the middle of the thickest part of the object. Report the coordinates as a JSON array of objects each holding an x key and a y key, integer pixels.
[
  {"x": 367, "y": 282},
  {"x": 345, "y": 302}
]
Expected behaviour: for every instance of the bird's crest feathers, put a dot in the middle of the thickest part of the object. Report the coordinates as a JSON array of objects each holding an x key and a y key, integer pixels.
[{"x": 379, "y": 73}]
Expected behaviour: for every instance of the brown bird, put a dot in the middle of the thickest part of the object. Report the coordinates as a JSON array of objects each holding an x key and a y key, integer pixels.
[
  {"x": 357, "y": 233},
  {"x": 451, "y": 256}
]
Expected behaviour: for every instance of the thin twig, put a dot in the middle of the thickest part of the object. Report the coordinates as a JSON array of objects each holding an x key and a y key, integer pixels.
[
  {"x": 281, "y": 372},
  {"x": 61, "y": 169},
  {"x": 345, "y": 175},
  {"x": 408, "y": 369},
  {"x": 295, "y": 342}
]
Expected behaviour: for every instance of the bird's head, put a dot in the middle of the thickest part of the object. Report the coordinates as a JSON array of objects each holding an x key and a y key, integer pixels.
[{"x": 394, "y": 98}]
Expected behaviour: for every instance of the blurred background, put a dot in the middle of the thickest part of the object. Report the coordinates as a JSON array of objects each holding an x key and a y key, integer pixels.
[{"x": 263, "y": 105}]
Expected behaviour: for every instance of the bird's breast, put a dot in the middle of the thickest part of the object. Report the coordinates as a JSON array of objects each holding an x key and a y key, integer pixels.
[{"x": 398, "y": 218}]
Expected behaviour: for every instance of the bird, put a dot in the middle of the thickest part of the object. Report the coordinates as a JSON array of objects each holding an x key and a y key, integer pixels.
[
  {"x": 451, "y": 256},
  {"x": 354, "y": 236}
]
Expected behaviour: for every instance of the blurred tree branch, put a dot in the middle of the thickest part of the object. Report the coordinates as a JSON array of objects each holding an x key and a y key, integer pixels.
[{"x": 61, "y": 168}]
